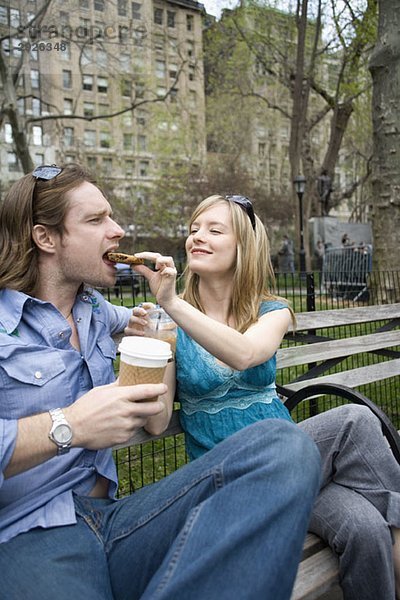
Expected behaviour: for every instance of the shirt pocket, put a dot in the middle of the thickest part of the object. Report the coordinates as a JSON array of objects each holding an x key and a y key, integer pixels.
[
  {"x": 107, "y": 347},
  {"x": 33, "y": 382},
  {"x": 101, "y": 369}
]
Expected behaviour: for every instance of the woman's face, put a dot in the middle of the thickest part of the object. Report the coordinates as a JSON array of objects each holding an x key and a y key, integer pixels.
[{"x": 211, "y": 245}]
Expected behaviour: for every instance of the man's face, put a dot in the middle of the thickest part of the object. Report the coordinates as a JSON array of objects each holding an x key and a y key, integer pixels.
[{"x": 90, "y": 233}]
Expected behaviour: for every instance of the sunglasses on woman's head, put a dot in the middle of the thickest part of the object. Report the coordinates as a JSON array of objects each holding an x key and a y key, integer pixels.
[
  {"x": 247, "y": 206},
  {"x": 46, "y": 172}
]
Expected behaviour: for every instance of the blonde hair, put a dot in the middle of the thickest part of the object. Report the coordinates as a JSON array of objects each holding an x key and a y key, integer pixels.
[
  {"x": 31, "y": 201},
  {"x": 254, "y": 279}
]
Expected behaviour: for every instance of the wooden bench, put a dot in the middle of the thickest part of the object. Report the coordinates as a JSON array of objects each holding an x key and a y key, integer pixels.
[{"x": 316, "y": 348}]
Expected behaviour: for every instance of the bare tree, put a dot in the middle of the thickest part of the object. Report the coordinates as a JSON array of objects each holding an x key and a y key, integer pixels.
[{"x": 322, "y": 77}]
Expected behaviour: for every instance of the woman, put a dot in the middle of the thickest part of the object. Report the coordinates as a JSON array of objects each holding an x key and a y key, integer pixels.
[{"x": 230, "y": 327}]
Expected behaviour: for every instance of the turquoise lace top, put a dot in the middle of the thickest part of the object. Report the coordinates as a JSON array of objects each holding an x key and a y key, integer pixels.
[{"x": 216, "y": 401}]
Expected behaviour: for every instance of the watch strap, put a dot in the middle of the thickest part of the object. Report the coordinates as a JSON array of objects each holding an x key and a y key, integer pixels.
[{"x": 58, "y": 418}]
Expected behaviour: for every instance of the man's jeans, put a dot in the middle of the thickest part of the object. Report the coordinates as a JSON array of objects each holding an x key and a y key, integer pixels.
[{"x": 231, "y": 524}]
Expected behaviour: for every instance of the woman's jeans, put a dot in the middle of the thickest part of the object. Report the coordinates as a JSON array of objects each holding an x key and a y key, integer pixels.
[
  {"x": 359, "y": 500},
  {"x": 231, "y": 524}
]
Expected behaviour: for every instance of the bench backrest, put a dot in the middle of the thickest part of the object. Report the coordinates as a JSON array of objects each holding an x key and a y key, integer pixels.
[{"x": 312, "y": 346}]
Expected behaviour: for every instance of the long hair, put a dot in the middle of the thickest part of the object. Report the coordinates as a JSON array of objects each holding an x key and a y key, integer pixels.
[
  {"x": 253, "y": 280},
  {"x": 29, "y": 202}
]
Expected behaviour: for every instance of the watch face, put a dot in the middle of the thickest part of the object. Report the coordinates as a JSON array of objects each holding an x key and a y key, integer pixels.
[{"x": 62, "y": 434}]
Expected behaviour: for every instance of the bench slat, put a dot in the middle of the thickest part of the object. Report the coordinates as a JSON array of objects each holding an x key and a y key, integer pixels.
[
  {"x": 300, "y": 355},
  {"x": 354, "y": 377},
  {"x": 346, "y": 316},
  {"x": 316, "y": 575}
]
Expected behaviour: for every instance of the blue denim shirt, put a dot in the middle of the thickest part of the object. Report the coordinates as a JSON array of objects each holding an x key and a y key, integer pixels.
[{"x": 39, "y": 370}]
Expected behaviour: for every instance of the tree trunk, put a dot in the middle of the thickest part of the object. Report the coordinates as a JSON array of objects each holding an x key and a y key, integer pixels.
[{"x": 385, "y": 70}]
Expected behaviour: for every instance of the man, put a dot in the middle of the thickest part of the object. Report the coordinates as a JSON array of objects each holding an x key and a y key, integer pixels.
[{"x": 230, "y": 524}]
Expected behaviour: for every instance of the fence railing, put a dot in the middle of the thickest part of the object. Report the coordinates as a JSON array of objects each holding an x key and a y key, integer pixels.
[{"x": 144, "y": 464}]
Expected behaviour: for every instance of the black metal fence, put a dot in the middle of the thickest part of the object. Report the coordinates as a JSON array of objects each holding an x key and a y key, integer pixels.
[{"x": 150, "y": 462}]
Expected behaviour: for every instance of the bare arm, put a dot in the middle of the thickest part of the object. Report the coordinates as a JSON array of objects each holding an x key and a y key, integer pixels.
[
  {"x": 105, "y": 416},
  {"x": 238, "y": 350}
]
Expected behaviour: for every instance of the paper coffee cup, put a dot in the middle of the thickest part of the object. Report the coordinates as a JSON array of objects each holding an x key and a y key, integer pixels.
[{"x": 143, "y": 360}]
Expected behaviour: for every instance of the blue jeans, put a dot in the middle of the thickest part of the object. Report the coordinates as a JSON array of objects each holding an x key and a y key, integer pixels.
[
  {"x": 359, "y": 501},
  {"x": 231, "y": 524}
]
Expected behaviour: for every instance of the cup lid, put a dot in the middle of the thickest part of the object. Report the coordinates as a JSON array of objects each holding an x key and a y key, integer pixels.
[{"x": 144, "y": 347}]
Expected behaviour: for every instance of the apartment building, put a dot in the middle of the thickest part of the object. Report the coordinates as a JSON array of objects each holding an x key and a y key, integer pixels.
[{"x": 116, "y": 85}]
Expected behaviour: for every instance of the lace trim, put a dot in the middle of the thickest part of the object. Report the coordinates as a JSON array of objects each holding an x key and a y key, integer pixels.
[{"x": 216, "y": 403}]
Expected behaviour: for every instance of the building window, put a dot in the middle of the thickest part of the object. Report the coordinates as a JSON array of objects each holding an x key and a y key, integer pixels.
[
  {"x": 142, "y": 143},
  {"x": 102, "y": 85},
  {"x": 107, "y": 166},
  {"x": 171, "y": 18},
  {"x": 173, "y": 95},
  {"x": 128, "y": 141},
  {"x": 66, "y": 53},
  {"x": 38, "y": 159},
  {"x": 67, "y": 79},
  {"x": 160, "y": 68},
  {"x": 101, "y": 58},
  {"x": 99, "y": 5},
  {"x": 139, "y": 89},
  {"x": 15, "y": 20},
  {"x": 87, "y": 82},
  {"x": 136, "y": 8},
  {"x": 191, "y": 73},
  {"x": 173, "y": 70},
  {"x": 88, "y": 109},
  {"x": 4, "y": 15},
  {"x": 141, "y": 118},
  {"x": 21, "y": 106},
  {"x": 68, "y": 106},
  {"x": 84, "y": 3},
  {"x": 87, "y": 56},
  {"x": 143, "y": 168},
  {"x": 105, "y": 139},
  {"x": 158, "y": 43},
  {"x": 89, "y": 138},
  {"x": 64, "y": 17},
  {"x": 129, "y": 168},
  {"x": 104, "y": 109},
  {"x": 68, "y": 136},
  {"x": 84, "y": 28},
  {"x": 12, "y": 161},
  {"x": 190, "y": 48},
  {"x": 37, "y": 135},
  {"x": 158, "y": 16},
  {"x": 189, "y": 22},
  {"x": 125, "y": 63},
  {"x": 126, "y": 87},
  {"x": 122, "y": 8},
  {"x": 36, "y": 107},
  {"x": 35, "y": 79},
  {"x": 8, "y": 136},
  {"x": 34, "y": 54},
  {"x": 92, "y": 162},
  {"x": 261, "y": 149}
]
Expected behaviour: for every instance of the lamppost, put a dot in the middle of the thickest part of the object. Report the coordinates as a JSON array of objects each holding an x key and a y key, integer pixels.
[{"x": 300, "y": 185}]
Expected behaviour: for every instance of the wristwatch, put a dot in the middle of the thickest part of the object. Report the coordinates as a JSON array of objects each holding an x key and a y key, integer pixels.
[{"x": 61, "y": 431}]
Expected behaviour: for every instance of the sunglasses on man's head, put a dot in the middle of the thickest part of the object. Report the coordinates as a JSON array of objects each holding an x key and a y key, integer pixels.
[
  {"x": 247, "y": 206},
  {"x": 46, "y": 172}
]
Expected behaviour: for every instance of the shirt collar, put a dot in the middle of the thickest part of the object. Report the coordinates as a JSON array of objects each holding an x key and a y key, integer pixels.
[{"x": 12, "y": 305}]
